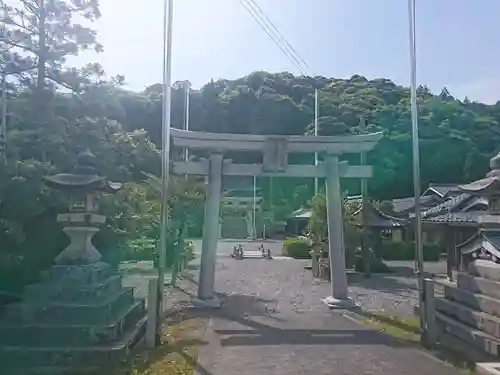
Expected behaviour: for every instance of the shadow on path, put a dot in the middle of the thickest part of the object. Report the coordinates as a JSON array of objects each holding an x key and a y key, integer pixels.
[
  {"x": 274, "y": 323},
  {"x": 243, "y": 309}
]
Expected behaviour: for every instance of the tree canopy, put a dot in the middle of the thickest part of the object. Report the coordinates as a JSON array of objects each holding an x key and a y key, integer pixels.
[
  {"x": 55, "y": 110},
  {"x": 456, "y": 137}
]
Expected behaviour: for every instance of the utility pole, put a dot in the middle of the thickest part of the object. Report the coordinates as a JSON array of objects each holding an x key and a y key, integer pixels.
[
  {"x": 186, "y": 86},
  {"x": 187, "y": 89},
  {"x": 254, "y": 207},
  {"x": 365, "y": 245}
]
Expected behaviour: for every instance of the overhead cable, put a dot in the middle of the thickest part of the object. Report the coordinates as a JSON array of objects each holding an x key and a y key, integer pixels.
[
  {"x": 282, "y": 37},
  {"x": 276, "y": 36}
]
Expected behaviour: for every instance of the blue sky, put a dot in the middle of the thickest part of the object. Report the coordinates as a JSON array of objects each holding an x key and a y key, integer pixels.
[{"x": 457, "y": 41}]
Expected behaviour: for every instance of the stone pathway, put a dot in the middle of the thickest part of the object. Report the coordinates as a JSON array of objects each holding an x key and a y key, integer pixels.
[
  {"x": 273, "y": 322},
  {"x": 394, "y": 293}
]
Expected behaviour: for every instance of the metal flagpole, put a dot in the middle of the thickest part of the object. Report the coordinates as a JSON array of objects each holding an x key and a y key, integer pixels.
[
  {"x": 254, "y": 206},
  {"x": 416, "y": 161},
  {"x": 187, "y": 87},
  {"x": 316, "y": 108},
  {"x": 365, "y": 250},
  {"x": 165, "y": 149}
]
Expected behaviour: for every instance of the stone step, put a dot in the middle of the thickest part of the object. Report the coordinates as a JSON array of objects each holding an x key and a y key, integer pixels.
[
  {"x": 470, "y": 335},
  {"x": 488, "y": 368},
  {"x": 466, "y": 349},
  {"x": 485, "y": 269},
  {"x": 252, "y": 254},
  {"x": 475, "y": 301},
  {"x": 477, "y": 319},
  {"x": 85, "y": 274},
  {"x": 476, "y": 284},
  {"x": 70, "y": 293},
  {"x": 234, "y": 227},
  {"x": 74, "y": 335},
  {"x": 23, "y": 359},
  {"x": 68, "y": 313}
]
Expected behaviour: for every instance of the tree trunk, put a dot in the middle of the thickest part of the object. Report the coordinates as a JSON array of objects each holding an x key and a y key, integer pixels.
[
  {"x": 42, "y": 50},
  {"x": 41, "y": 116}
]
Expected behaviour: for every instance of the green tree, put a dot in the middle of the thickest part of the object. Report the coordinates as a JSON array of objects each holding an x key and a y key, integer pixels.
[{"x": 41, "y": 34}]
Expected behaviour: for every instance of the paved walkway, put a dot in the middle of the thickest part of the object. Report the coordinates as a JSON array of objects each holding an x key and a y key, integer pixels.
[{"x": 273, "y": 322}]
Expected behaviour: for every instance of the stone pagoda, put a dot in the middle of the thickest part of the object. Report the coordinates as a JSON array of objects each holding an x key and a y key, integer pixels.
[{"x": 78, "y": 314}]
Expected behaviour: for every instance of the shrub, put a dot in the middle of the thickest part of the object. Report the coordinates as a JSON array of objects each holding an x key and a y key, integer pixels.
[
  {"x": 376, "y": 266},
  {"x": 406, "y": 251},
  {"x": 297, "y": 247},
  {"x": 142, "y": 248}
]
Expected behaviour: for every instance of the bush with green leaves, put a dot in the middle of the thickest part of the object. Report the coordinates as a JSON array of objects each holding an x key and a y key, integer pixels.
[
  {"x": 406, "y": 251},
  {"x": 297, "y": 247},
  {"x": 376, "y": 265}
]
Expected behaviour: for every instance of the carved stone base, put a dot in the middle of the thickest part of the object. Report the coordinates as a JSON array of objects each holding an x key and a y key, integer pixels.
[
  {"x": 212, "y": 303},
  {"x": 335, "y": 303},
  {"x": 76, "y": 315},
  {"x": 80, "y": 250}
]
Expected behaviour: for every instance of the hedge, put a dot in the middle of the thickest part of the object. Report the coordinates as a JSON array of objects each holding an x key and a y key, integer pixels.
[
  {"x": 406, "y": 251},
  {"x": 376, "y": 266},
  {"x": 297, "y": 247}
]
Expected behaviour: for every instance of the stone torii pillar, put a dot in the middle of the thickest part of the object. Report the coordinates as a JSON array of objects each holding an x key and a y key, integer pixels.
[
  {"x": 206, "y": 294},
  {"x": 336, "y": 247}
]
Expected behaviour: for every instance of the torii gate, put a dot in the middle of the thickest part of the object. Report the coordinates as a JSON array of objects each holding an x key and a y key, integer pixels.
[{"x": 275, "y": 150}]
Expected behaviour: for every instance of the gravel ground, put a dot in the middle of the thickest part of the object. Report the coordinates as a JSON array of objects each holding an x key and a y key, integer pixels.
[
  {"x": 394, "y": 293},
  {"x": 273, "y": 322}
]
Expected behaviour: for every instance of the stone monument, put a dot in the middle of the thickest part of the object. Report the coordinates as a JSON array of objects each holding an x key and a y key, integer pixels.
[{"x": 78, "y": 314}]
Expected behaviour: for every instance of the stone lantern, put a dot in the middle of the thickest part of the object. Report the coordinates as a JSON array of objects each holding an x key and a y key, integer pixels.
[
  {"x": 84, "y": 187},
  {"x": 78, "y": 314}
]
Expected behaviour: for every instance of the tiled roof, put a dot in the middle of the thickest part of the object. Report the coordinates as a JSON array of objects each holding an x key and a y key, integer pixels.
[
  {"x": 493, "y": 237},
  {"x": 476, "y": 202},
  {"x": 455, "y": 218},
  {"x": 447, "y": 206},
  {"x": 378, "y": 219},
  {"x": 444, "y": 189},
  {"x": 405, "y": 204},
  {"x": 301, "y": 213},
  {"x": 484, "y": 246}
]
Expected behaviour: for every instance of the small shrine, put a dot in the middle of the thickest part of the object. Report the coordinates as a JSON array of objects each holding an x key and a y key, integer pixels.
[
  {"x": 379, "y": 224},
  {"x": 485, "y": 244},
  {"x": 241, "y": 202},
  {"x": 78, "y": 314}
]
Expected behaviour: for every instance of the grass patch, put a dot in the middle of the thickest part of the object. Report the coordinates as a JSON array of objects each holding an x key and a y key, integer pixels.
[
  {"x": 404, "y": 328},
  {"x": 407, "y": 329},
  {"x": 176, "y": 355}
]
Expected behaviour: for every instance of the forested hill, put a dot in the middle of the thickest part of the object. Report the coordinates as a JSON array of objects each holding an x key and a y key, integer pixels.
[{"x": 457, "y": 138}]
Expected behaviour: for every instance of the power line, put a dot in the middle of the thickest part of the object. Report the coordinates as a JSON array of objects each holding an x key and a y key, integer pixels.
[
  {"x": 282, "y": 37},
  {"x": 269, "y": 31},
  {"x": 256, "y": 16}
]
